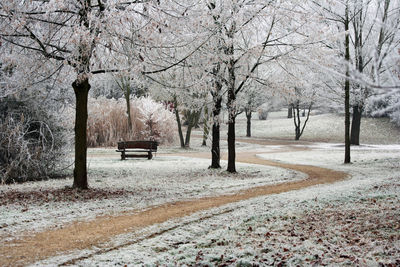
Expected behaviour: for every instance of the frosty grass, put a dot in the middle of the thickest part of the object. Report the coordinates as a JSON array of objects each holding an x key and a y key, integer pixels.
[{"x": 353, "y": 222}]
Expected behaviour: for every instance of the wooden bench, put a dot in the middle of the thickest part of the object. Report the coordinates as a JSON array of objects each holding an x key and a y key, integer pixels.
[{"x": 128, "y": 147}]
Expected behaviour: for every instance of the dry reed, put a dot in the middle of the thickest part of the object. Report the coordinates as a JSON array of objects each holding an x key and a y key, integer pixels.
[{"x": 108, "y": 122}]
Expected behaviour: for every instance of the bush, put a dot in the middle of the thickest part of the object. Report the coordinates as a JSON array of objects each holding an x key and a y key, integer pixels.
[
  {"x": 108, "y": 122},
  {"x": 264, "y": 109},
  {"x": 30, "y": 141},
  {"x": 262, "y": 114}
]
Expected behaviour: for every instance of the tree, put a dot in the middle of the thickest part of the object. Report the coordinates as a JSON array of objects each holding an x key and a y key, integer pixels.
[
  {"x": 368, "y": 26},
  {"x": 374, "y": 40},
  {"x": 299, "y": 80},
  {"x": 188, "y": 95},
  {"x": 252, "y": 34},
  {"x": 229, "y": 26},
  {"x": 389, "y": 94},
  {"x": 66, "y": 35},
  {"x": 250, "y": 99},
  {"x": 217, "y": 94},
  {"x": 296, "y": 105},
  {"x": 206, "y": 126},
  {"x": 339, "y": 14}
]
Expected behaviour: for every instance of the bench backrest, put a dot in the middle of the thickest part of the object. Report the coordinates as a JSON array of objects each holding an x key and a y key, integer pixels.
[{"x": 152, "y": 145}]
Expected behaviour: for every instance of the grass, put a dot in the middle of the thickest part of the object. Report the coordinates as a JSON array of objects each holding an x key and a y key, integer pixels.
[
  {"x": 320, "y": 128},
  {"x": 265, "y": 230}
]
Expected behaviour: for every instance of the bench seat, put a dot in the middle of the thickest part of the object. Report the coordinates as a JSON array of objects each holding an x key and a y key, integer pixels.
[{"x": 129, "y": 148}]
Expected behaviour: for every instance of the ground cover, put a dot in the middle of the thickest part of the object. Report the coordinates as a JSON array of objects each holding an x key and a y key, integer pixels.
[
  {"x": 320, "y": 128},
  {"x": 352, "y": 222},
  {"x": 124, "y": 186},
  {"x": 268, "y": 230}
]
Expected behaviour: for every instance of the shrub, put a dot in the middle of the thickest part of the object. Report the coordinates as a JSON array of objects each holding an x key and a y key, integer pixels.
[
  {"x": 264, "y": 109},
  {"x": 30, "y": 141},
  {"x": 108, "y": 122},
  {"x": 262, "y": 114}
]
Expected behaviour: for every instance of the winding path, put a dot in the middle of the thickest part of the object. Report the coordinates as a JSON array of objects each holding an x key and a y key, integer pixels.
[{"x": 83, "y": 235}]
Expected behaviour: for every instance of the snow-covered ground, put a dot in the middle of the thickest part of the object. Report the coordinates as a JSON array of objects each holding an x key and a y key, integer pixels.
[
  {"x": 352, "y": 222},
  {"x": 122, "y": 186},
  {"x": 320, "y": 128}
]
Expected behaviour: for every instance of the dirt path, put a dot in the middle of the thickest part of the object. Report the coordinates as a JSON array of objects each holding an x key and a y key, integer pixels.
[{"x": 82, "y": 235}]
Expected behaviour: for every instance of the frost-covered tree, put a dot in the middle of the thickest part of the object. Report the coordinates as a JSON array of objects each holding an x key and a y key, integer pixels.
[
  {"x": 375, "y": 39},
  {"x": 49, "y": 36},
  {"x": 338, "y": 14},
  {"x": 301, "y": 81},
  {"x": 188, "y": 94},
  {"x": 255, "y": 33},
  {"x": 250, "y": 99},
  {"x": 234, "y": 22},
  {"x": 386, "y": 101},
  {"x": 371, "y": 38}
]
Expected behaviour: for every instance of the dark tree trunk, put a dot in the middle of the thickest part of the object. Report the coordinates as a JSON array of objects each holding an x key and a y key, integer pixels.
[
  {"x": 231, "y": 105},
  {"x": 231, "y": 144},
  {"x": 215, "y": 150},
  {"x": 231, "y": 120},
  {"x": 290, "y": 112},
  {"x": 188, "y": 133},
  {"x": 178, "y": 121},
  {"x": 347, "y": 123},
  {"x": 248, "y": 116},
  {"x": 205, "y": 127},
  {"x": 204, "y": 143},
  {"x": 356, "y": 125},
  {"x": 217, "y": 101},
  {"x": 358, "y": 109},
  {"x": 347, "y": 92},
  {"x": 297, "y": 122},
  {"x": 81, "y": 89},
  {"x": 193, "y": 120}
]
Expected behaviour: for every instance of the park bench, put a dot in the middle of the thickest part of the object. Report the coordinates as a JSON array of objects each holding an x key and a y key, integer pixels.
[{"x": 128, "y": 147}]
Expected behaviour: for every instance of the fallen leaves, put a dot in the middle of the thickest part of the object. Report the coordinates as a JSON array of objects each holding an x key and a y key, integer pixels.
[
  {"x": 360, "y": 230},
  {"x": 66, "y": 194}
]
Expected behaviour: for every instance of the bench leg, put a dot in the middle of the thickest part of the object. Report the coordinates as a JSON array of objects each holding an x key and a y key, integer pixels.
[{"x": 150, "y": 155}]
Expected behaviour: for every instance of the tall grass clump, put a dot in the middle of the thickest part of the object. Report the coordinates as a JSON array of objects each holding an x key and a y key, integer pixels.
[{"x": 108, "y": 121}]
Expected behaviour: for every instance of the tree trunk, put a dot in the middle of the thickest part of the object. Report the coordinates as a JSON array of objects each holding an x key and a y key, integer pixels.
[
  {"x": 290, "y": 112},
  {"x": 248, "y": 116},
  {"x": 231, "y": 121},
  {"x": 347, "y": 91},
  {"x": 193, "y": 120},
  {"x": 205, "y": 127},
  {"x": 297, "y": 121},
  {"x": 231, "y": 105},
  {"x": 81, "y": 89},
  {"x": 215, "y": 150},
  {"x": 231, "y": 144},
  {"x": 190, "y": 119},
  {"x": 128, "y": 112},
  {"x": 356, "y": 125},
  {"x": 178, "y": 121},
  {"x": 347, "y": 122},
  {"x": 358, "y": 50},
  {"x": 127, "y": 93},
  {"x": 188, "y": 133}
]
